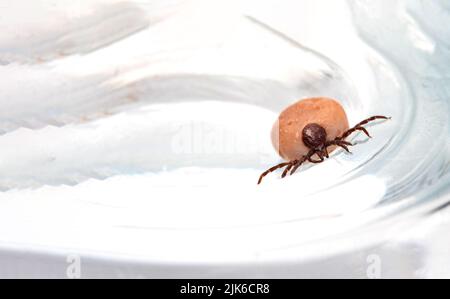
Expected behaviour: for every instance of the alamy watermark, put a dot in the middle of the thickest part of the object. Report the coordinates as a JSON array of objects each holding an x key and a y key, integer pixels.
[
  {"x": 198, "y": 138},
  {"x": 73, "y": 270},
  {"x": 374, "y": 267}
]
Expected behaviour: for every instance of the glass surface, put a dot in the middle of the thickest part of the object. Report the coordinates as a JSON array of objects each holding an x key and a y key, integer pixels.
[{"x": 148, "y": 123}]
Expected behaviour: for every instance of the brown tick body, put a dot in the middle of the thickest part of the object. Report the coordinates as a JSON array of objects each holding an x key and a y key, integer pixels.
[{"x": 314, "y": 137}]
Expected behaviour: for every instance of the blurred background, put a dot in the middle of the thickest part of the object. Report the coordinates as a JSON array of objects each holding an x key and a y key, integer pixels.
[{"x": 132, "y": 134}]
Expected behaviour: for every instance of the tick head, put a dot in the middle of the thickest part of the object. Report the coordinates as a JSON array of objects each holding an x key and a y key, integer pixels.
[{"x": 314, "y": 136}]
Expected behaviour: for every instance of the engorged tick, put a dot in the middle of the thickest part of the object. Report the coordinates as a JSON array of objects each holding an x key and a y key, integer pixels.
[{"x": 314, "y": 137}]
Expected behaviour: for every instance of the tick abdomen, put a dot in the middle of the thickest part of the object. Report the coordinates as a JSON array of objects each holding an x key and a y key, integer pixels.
[{"x": 287, "y": 132}]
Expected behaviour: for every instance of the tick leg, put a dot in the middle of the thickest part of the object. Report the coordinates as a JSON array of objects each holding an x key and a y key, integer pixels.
[
  {"x": 298, "y": 164},
  {"x": 364, "y": 130},
  {"x": 359, "y": 127},
  {"x": 370, "y": 119},
  {"x": 285, "y": 172},
  {"x": 345, "y": 142},
  {"x": 352, "y": 130},
  {"x": 344, "y": 146},
  {"x": 315, "y": 161},
  {"x": 272, "y": 170},
  {"x": 341, "y": 143},
  {"x": 321, "y": 157}
]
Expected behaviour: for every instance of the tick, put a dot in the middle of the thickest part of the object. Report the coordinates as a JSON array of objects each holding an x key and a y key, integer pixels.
[{"x": 309, "y": 131}]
